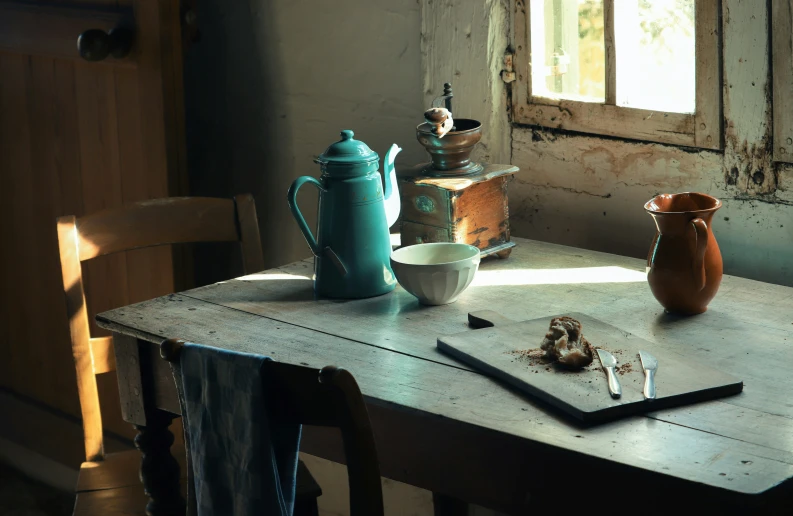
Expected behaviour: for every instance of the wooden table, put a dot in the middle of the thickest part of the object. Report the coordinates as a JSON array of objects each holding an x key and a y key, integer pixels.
[{"x": 443, "y": 427}]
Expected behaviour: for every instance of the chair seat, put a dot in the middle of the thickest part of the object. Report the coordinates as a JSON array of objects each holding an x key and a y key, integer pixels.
[
  {"x": 112, "y": 502},
  {"x": 117, "y": 470}
]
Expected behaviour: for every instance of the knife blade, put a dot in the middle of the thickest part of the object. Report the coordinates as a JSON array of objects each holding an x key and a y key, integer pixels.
[
  {"x": 609, "y": 363},
  {"x": 650, "y": 366}
]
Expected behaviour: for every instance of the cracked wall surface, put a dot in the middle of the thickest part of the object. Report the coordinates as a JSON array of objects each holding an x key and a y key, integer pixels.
[{"x": 589, "y": 191}]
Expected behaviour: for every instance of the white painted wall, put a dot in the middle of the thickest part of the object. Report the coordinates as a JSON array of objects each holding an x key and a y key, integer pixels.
[{"x": 272, "y": 82}]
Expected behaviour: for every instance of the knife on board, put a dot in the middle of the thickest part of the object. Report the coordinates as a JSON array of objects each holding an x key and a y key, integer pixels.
[
  {"x": 609, "y": 364},
  {"x": 650, "y": 366}
]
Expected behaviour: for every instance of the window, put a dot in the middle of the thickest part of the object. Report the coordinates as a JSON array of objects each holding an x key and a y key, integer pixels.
[{"x": 641, "y": 69}]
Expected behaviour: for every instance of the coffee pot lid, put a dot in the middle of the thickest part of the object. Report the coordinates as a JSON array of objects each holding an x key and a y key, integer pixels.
[{"x": 348, "y": 151}]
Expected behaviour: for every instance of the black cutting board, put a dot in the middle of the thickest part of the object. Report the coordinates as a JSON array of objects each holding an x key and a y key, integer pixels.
[{"x": 500, "y": 352}]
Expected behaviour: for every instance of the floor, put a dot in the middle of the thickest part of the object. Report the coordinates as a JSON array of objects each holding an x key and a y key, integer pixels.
[
  {"x": 399, "y": 499},
  {"x": 22, "y": 496}
]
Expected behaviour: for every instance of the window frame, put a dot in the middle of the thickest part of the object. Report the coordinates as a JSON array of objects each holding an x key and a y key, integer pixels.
[
  {"x": 702, "y": 129},
  {"x": 782, "y": 79}
]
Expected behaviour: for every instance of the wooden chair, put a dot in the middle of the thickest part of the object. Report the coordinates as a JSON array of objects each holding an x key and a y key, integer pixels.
[
  {"x": 109, "y": 483},
  {"x": 322, "y": 397}
]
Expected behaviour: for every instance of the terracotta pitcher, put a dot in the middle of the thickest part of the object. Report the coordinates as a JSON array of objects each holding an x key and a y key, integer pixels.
[{"x": 684, "y": 263}]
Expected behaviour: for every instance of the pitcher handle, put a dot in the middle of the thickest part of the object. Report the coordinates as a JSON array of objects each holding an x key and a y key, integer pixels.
[
  {"x": 291, "y": 198},
  {"x": 701, "y": 243}
]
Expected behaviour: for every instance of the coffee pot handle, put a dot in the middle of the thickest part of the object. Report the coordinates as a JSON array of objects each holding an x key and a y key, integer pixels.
[
  {"x": 701, "y": 245},
  {"x": 291, "y": 198}
]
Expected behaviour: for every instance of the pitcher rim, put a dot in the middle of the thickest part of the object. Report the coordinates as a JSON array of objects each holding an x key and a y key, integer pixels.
[{"x": 704, "y": 210}]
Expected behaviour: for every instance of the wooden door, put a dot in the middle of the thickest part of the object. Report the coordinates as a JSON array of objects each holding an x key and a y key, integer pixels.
[{"x": 77, "y": 137}]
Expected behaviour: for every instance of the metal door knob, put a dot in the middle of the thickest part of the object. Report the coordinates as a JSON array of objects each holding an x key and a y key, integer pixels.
[{"x": 96, "y": 44}]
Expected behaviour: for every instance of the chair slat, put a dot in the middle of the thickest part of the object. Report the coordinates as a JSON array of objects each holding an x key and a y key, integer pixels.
[
  {"x": 174, "y": 220},
  {"x": 103, "y": 354}
]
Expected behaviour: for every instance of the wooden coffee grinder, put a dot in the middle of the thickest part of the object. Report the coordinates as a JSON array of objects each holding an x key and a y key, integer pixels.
[{"x": 451, "y": 198}]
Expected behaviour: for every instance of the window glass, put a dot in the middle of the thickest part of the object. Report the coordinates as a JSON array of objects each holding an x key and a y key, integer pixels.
[
  {"x": 655, "y": 54},
  {"x": 568, "y": 49}
]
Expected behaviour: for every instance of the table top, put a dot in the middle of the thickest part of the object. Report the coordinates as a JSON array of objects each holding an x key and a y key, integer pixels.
[{"x": 742, "y": 444}]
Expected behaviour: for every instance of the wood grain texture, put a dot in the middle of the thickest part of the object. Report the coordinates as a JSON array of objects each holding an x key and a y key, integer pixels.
[
  {"x": 538, "y": 280},
  {"x": 584, "y": 394},
  {"x": 77, "y": 310},
  {"x": 426, "y": 401},
  {"x": 416, "y": 233},
  {"x": 116, "y": 470},
  {"x": 782, "y": 61},
  {"x": 104, "y": 360},
  {"x": 623, "y": 122},
  {"x": 467, "y": 209},
  {"x": 77, "y": 138},
  {"x": 611, "y": 52},
  {"x": 747, "y": 76},
  {"x": 424, "y": 204},
  {"x": 157, "y": 222},
  {"x": 123, "y": 501},
  {"x": 135, "y": 226},
  {"x": 690, "y": 130},
  {"x": 407, "y": 396},
  {"x": 480, "y": 214},
  {"x": 521, "y": 88},
  {"x": 708, "y": 124},
  {"x": 130, "y": 382},
  {"x": 52, "y": 30}
]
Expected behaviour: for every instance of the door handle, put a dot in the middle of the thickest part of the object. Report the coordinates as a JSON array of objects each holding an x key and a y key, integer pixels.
[{"x": 96, "y": 44}]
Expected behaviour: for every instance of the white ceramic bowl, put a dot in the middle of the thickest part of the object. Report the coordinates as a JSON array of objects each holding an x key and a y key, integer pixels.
[{"x": 435, "y": 273}]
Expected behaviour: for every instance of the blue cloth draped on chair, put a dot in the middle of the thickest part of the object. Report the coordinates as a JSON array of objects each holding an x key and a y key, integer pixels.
[{"x": 243, "y": 464}]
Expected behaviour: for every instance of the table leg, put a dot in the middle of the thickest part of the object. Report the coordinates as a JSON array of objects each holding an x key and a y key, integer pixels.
[{"x": 159, "y": 470}]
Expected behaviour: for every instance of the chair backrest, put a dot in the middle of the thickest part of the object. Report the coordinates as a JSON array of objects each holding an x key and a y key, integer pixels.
[
  {"x": 322, "y": 397},
  {"x": 144, "y": 224}
]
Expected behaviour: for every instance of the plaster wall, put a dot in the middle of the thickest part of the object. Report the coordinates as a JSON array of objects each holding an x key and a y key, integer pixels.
[
  {"x": 588, "y": 191},
  {"x": 270, "y": 84}
]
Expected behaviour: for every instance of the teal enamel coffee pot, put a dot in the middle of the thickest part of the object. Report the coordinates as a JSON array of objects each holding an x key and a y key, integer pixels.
[{"x": 352, "y": 247}]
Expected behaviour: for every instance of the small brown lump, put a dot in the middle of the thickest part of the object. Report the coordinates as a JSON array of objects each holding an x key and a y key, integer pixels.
[{"x": 565, "y": 343}]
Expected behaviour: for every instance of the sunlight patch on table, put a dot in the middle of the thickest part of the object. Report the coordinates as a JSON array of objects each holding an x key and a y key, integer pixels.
[
  {"x": 273, "y": 277},
  {"x": 497, "y": 278}
]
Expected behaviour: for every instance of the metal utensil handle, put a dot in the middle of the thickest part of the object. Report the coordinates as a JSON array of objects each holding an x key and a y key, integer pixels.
[
  {"x": 615, "y": 389},
  {"x": 649, "y": 384}
]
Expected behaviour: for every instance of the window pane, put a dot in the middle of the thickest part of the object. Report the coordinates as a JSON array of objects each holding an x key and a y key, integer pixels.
[
  {"x": 654, "y": 41},
  {"x": 568, "y": 50}
]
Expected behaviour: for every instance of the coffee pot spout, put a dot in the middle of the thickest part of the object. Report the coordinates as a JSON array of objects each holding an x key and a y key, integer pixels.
[{"x": 390, "y": 188}]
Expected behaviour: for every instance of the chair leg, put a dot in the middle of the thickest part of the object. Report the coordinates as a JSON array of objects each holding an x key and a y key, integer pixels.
[{"x": 447, "y": 506}]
